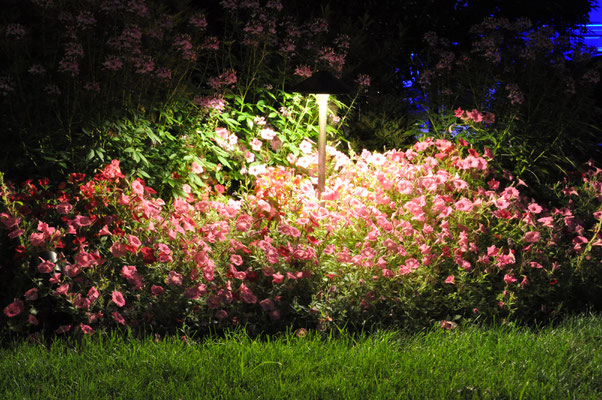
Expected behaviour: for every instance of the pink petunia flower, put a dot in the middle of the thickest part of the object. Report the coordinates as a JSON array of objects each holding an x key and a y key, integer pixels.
[
  {"x": 138, "y": 187},
  {"x": 118, "y": 317},
  {"x": 534, "y": 208},
  {"x": 117, "y": 298},
  {"x": 174, "y": 279},
  {"x": 277, "y": 278},
  {"x": 532, "y": 237},
  {"x": 13, "y": 309},
  {"x": 450, "y": 279},
  {"x": 86, "y": 329},
  {"x": 32, "y": 320},
  {"x": 31, "y": 294},
  {"x": 157, "y": 290},
  {"x": 267, "y": 134},
  {"x": 93, "y": 294},
  {"x": 236, "y": 259}
]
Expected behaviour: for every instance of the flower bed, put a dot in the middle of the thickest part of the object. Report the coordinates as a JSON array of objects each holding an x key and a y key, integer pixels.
[{"x": 404, "y": 237}]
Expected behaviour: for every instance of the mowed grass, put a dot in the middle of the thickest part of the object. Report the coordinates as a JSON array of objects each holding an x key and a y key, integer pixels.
[{"x": 562, "y": 362}]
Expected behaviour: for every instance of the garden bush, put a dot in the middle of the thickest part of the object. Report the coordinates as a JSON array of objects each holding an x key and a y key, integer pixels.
[
  {"x": 402, "y": 238},
  {"x": 82, "y": 83},
  {"x": 540, "y": 85}
]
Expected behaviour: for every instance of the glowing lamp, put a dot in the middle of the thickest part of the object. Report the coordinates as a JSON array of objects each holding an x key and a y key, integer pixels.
[{"x": 322, "y": 84}]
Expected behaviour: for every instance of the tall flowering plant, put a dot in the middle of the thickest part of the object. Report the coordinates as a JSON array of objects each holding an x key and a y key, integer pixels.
[
  {"x": 538, "y": 83},
  {"x": 90, "y": 81}
]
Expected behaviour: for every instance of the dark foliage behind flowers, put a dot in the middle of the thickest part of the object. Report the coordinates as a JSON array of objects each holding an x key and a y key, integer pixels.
[
  {"x": 82, "y": 83},
  {"x": 540, "y": 85},
  {"x": 402, "y": 239}
]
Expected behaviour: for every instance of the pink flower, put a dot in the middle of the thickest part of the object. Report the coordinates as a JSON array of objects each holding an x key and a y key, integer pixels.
[
  {"x": 535, "y": 265},
  {"x": 196, "y": 168},
  {"x": 157, "y": 290},
  {"x": 31, "y": 294},
  {"x": 464, "y": 205},
  {"x": 104, "y": 231},
  {"x": 277, "y": 278},
  {"x": 63, "y": 329},
  {"x": 578, "y": 241},
  {"x": 93, "y": 294},
  {"x": 547, "y": 221},
  {"x": 257, "y": 169},
  {"x": 138, "y": 187},
  {"x": 174, "y": 279},
  {"x": 275, "y": 315},
  {"x": 118, "y": 317},
  {"x": 450, "y": 279},
  {"x": 532, "y": 237},
  {"x": 134, "y": 241},
  {"x": 85, "y": 260},
  {"x": 267, "y": 305},
  {"x": 195, "y": 292},
  {"x": 363, "y": 81},
  {"x": 13, "y": 309},
  {"x": 489, "y": 118},
  {"x": 256, "y": 144},
  {"x": 117, "y": 298},
  {"x": 236, "y": 259},
  {"x": 128, "y": 271},
  {"x": 306, "y": 146},
  {"x": 46, "y": 267},
  {"x": 86, "y": 329},
  {"x": 32, "y": 319},
  {"x": 250, "y": 157},
  {"x": 492, "y": 251},
  {"x": 118, "y": 250},
  {"x": 62, "y": 289},
  {"x": 8, "y": 221},
  {"x": 303, "y": 71},
  {"x": 509, "y": 279},
  {"x": 64, "y": 208},
  {"x": 449, "y": 325},
  {"x": 247, "y": 295},
  {"x": 267, "y": 134},
  {"x": 289, "y": 230},
  {"x": 113, "y": 63},
  {"x": 243, "y": 223},
  {"x": 534, "y": 208}
]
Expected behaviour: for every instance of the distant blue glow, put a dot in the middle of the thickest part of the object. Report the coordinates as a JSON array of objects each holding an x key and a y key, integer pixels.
[{"x": 593, "y": 34}]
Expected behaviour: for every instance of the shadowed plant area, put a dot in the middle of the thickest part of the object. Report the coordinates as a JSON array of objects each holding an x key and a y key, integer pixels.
[{"x": 561, "y": 362}]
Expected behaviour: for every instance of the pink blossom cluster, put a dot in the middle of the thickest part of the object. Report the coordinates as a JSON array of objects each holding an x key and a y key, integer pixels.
[
  {"x": 475, "y": 116},
  {"x": 225, "y": 79},
  {"x": 384, "y": 219},
  {"x": 211, "y": 103}
]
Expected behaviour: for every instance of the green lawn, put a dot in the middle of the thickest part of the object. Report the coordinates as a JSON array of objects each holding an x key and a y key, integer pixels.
[{"x": 562, "y": 362}]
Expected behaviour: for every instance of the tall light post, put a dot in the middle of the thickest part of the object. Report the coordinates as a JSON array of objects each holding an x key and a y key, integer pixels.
[{"x": 322, "y": 84}]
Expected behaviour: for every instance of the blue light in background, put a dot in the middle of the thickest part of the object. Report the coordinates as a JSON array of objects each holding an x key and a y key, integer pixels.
[{"x": 593, "y": 36}]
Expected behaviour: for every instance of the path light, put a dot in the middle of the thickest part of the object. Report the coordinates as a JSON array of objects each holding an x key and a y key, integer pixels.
[{"x": 322, "y": 84}]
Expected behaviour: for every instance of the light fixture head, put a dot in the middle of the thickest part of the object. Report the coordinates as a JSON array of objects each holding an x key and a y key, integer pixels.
[{"x": 322, "y": 82}]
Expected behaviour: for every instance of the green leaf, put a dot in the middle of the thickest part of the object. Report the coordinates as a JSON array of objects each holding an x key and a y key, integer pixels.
[{"x": 224, "y": 162}]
